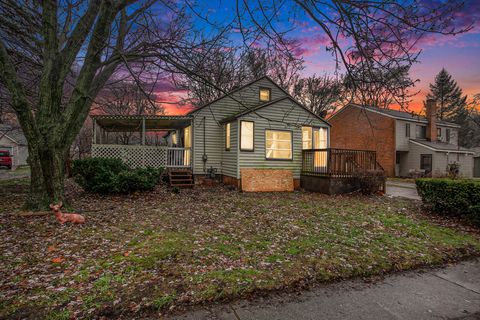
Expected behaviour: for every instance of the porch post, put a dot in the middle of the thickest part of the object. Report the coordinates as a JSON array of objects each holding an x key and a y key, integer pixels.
[
  {"x": 94, "y": 138},
  {"x": 143, "y": 131}
]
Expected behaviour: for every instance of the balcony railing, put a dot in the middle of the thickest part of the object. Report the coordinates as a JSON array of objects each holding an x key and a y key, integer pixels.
[{"x": 340, "y": 163}]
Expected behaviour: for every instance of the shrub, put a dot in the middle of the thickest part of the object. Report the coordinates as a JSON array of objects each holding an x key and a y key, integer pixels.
[
  {"x": 370, "y": 181},
  {"x": 98, "y": 175},
  {"x": 138, "y": 179},
  {"x": 454, "y": 197},
  {"x": 108, "y": 175}
]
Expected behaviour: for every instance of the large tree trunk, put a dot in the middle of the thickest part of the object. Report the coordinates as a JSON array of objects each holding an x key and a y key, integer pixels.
[{"x": 47, "y": 180}]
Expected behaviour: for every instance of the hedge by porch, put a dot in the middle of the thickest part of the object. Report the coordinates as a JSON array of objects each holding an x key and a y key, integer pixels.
[{"x": 451, "y": 197}]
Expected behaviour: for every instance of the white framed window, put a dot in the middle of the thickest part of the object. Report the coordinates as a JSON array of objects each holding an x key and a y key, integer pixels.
[
  {"x": 227, "y": 137},
  {"x": 247, "y": 129},
  {"x": 265, "y": 94},
  {"x": 307, "y": 138},
  {"x": 278, "y": 145},
  {"x": 187, "y": 137},
  {"x": 320, "y": 138}
]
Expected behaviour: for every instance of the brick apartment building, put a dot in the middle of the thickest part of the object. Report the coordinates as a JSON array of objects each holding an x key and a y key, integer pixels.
[{"x": 405, "y": 143}]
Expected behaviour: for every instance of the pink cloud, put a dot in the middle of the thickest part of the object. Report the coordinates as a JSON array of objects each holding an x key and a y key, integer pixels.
[{"x": 309, "y": 45}]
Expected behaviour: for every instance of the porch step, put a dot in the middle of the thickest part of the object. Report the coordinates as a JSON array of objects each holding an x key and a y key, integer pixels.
[{"x": 181, "y": 178}]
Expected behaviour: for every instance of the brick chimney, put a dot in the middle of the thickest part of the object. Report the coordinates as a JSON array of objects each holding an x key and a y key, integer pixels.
[{"x": 432, "y": 120}]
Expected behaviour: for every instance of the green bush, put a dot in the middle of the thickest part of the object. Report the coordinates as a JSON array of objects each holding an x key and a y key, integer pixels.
[
  {"x": 138, "y": 179},
  {"x": 453, "y": 197},
  {"x": 108, "y": 175}
]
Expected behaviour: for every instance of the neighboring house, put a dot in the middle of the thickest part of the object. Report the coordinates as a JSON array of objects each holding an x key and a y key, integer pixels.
[
  {"x": 476, "y": 162},
  {"x": 405, "y": 143},
  {"x": 256, "y": 133},
  {"x": 12, "y": 139}
]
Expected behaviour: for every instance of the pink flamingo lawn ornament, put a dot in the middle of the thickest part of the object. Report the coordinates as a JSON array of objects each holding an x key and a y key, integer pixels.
[{"x": 66, "y": 217}]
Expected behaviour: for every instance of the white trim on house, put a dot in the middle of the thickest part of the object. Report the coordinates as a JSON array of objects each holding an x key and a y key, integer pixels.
[{"x": 441, "y": 150}]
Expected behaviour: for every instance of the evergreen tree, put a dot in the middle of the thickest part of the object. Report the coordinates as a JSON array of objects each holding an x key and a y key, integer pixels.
[{"x": 451, "y": 105}]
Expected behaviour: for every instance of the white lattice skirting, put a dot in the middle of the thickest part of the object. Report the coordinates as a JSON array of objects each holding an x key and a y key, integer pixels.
[{"x": 144, "y": 156}]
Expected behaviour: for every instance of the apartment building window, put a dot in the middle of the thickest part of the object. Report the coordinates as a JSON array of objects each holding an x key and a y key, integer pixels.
[
  {"x": 439, "y": 132},
  {"x": 447, "y": 134},
  {"x": 407, "y": 130},
  {"x": 420, "y": 132}
]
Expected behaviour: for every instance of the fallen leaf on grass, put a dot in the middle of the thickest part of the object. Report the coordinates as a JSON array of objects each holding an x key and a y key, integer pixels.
[{"x": 58, "y": 260}]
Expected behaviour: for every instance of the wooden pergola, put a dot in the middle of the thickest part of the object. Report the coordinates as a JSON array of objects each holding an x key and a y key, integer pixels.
[{"x": 137, "y": 123}]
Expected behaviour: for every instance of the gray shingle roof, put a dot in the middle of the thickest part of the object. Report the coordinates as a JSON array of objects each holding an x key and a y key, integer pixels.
[
  {"x": 441, "y": 146},
  {"x": 404, "y": 115}
]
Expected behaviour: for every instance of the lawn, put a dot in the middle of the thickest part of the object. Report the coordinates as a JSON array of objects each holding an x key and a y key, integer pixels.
[{"x": 153, "y": 252}]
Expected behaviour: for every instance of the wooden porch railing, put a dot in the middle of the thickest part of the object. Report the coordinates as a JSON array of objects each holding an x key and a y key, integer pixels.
[{"x": 340, "y": 163}]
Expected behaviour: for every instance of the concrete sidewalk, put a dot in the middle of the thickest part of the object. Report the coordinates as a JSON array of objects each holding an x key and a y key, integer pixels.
[{"x": 449, "y": 293}]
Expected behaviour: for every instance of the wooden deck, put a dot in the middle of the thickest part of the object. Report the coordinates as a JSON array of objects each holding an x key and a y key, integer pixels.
[{"x": 335, "y": 171}]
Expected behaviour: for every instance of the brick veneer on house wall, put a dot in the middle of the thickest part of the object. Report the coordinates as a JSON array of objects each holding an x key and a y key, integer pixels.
[{"x": 354, "y": 128}]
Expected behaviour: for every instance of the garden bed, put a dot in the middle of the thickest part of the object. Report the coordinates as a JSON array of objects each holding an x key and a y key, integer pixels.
[{"x": 152, "y": 252}]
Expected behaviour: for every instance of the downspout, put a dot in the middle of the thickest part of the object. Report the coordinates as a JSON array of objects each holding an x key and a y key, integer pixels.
[{"x": 204, "y": 156}]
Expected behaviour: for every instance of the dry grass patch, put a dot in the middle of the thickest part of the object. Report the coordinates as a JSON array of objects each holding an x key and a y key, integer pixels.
[{"x": 151, "y": 252}]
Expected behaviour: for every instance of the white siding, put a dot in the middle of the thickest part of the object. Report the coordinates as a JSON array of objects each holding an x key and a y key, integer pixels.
[
  {"x": 440, "y": 160},
  {"x": 400, "y": 134},
  {"x": 401, "y": 138}
]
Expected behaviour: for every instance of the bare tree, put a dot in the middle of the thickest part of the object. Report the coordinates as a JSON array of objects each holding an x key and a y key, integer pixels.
[
  {"x": 380, "y": 87},
  {"x": 321, "y": 94},
  {"x": 231, "y": 67},
  {"x": 128, "y": 98},
  {"x": 76, "y": 47}
]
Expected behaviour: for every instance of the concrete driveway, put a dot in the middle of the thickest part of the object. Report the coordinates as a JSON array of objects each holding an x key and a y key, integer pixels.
[
  {"x": 402, "y": 189},
  {"x": 449, "y": 293}
]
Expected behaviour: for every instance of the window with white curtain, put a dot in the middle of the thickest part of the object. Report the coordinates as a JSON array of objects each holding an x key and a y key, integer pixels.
[
  {"x": 278, "y": 144},
  {"x": 246, "y": 135},
  {"x": 320, "y": 138},
  {"x": 227, "y": 136},
  {"x": 307, "y": 138},
  {"x": 187, "y": 137}
]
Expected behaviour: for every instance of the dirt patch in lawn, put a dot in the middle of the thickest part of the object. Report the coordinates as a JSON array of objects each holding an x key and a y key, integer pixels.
[{"x": 152, "y": 252}]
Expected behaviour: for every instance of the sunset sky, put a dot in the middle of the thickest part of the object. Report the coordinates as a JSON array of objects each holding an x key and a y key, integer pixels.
[{"x": 459, "y": 55}]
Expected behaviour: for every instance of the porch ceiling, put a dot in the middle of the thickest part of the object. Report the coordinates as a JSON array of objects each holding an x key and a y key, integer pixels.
[{"x": 112, "y": 123}]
